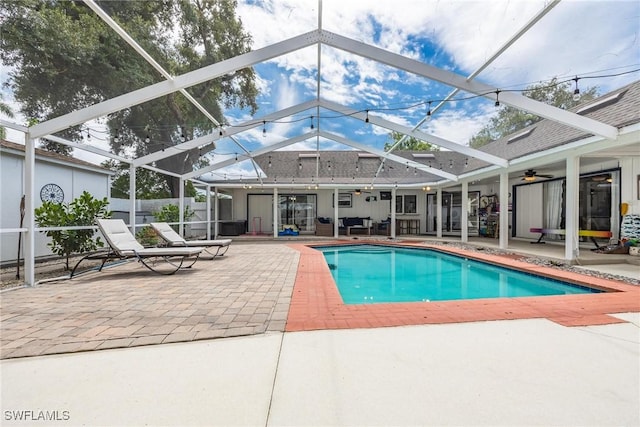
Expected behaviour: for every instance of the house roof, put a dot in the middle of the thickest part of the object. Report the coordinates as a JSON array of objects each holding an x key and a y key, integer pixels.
[
  {"x": 620, "y": 108},
  {"x": 53, "y": 157}
]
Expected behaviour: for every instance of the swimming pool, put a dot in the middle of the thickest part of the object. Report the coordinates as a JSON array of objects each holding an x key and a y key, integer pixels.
[{"x": 367, "y": 274}]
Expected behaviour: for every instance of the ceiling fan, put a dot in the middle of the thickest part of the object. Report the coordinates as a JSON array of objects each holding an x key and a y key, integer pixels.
[{"x": 532, "y": 175}]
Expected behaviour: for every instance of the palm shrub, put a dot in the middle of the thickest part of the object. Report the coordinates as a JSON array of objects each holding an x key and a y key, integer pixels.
[{"x": 82, "y": 211}]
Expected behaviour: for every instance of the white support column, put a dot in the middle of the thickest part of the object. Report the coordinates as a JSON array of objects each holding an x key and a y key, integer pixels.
[
  {"x": 181, "y": 208},
  {"x": 572, "y": 217},
  {"x": 275, "y": 212},
  {"x": 504, "y": 210},
  {"x": 208, "y": 196},
  {"x": 393, "y": 213},
  {"x": 132, "y": 198},
  {"x": 439, "y": 213},
  {"x": 29, "y": 206},
  {"x": 336, "y": 228},
  {"x": 464, "y": 237},
  {"x": 216, "y": 216}
]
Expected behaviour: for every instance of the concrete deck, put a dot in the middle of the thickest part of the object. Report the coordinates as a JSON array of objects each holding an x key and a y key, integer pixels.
[{"x": 503, "y": 373}]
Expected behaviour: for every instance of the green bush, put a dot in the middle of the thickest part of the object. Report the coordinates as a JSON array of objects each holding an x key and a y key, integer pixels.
[
  {"x": 82, "y": 211},
  {"x": 171, "y": 213}
]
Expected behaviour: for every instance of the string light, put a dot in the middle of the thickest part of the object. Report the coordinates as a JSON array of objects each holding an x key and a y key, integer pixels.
[
  {"x": 182, "y": 137},
  {"x": 147, "y": 139},
  {"x": 116, "y": 138},
  {"x": 269, "y": 161},
  {"x": 236, "y": 157},
  {"x": 497, "y": 104},
  {"x": 88, "y": 135},
  {"x": 429, "y": 112},
  {"x": 357, "y": 167},
  {"x": 450, "y": 163},
  {"x": 407, "y": 166},
  {"x": 366, "y": 120},
  {"x": 466, "y": 162},
  {"x": 311, "y": 122},
  {"x": 264, "y": 129},
  {"x": 576, "y": 92},
  {"x": 300, "y": 165},
  {"x": 329, "y": 165}
]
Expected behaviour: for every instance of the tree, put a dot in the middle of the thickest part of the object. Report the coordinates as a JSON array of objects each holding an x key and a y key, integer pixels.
[
  {"x": 510, "y": 120},
  {"x": 82, "y": 211},
  {"x": 86, "y": 62},
  {"x": 149, "y": 185},
  {"x": 410, "y": 143}
]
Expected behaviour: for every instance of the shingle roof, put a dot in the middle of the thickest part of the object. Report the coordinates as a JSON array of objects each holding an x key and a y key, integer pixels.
[{"x": 548, "y": 134}]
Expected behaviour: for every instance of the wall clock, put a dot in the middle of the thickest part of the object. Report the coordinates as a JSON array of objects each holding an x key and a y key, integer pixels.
[{"x": 51, "y": 193}]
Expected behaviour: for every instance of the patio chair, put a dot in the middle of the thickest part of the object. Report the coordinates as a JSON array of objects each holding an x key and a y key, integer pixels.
[
  {"x": 123, "y": 245},
  {"x": 173, "y": 239}
]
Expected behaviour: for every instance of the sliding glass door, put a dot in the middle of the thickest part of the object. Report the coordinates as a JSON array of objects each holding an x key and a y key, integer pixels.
[{"x": 298, "y": 209}]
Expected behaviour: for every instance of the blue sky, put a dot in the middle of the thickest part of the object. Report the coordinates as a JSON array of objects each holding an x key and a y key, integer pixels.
[{"x": 577, "y": 38}]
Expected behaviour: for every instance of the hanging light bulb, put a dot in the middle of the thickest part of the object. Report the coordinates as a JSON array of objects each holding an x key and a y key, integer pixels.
[
  {"x": 366, "y": 120},
  {"x": 264, "y": 129},
  {"x": 429, "y": 112},
  {"x": 357, "y": 167},
  {"x": 300, "y": 165},
  {"x": 497, "y": 104},
  {"x": 116, "y": 138},
  {"x": 450, "y": 163},
  {"x": 88, "y": 135},
  {"x": 311, "y": 122},
  {"x": 147, "y": 139},
  {"x": 221, "y": 131},
  {"x": 576, "y": 92},
  {"x": 269, "y": 161},
  {"x": 407, "y": 166},
  {"x": 415, "y": 172},
  {"x": 329, "y": 165},
  {"x": 236, "y": 157},
  {"x": 182, "y": 137},
  {"x": 466, "y": 162}
]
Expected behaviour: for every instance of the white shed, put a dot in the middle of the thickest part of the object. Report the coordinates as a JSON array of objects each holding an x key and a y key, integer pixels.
[{"x": 56, "y": 177}]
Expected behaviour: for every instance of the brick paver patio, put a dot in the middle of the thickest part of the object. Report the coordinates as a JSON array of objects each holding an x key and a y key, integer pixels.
[
  {"x": 253, "y": 289},
  {"x": 247, "y": 291}
]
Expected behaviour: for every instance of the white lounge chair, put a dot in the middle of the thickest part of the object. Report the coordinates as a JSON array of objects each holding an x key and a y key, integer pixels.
[
  {"x": 173, "y": 239},
  {"x": 123, "y": 245}
]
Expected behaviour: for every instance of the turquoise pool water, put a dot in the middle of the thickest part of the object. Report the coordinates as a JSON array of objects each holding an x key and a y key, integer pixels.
[{"x": 367, "y": 274}]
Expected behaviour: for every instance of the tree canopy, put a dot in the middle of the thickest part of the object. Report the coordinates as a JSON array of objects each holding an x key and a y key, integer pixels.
[
  {"x": 510, "y": 120},
  {"x": 410, "y": 143},
  {"x": 67, "y": 58}
]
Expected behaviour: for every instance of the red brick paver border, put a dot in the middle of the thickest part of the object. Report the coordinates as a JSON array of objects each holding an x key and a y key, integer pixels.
[{"x": 316, "y": 302}]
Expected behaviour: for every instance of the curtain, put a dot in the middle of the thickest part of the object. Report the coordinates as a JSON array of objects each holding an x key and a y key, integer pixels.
[{"x": 552, "y": 205}]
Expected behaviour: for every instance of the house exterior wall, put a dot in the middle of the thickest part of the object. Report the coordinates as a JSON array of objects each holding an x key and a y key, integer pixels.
[{"x": 71, "y": 178}]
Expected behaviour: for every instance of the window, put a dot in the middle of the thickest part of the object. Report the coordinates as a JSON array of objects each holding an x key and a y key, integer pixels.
[
  {"x": 344, "y": 200},
  {"x": 406, "y": 204}
]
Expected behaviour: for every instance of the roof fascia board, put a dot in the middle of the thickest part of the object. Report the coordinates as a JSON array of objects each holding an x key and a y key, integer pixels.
[
  {"x": 383, "y": 154},
  {"x": 166, "y": 87},
  {"x": 451, "y": 79},
  {"x": 459, "y": 148},
  {"x": 88, "y": 148},
  {"x": 242, "y": 157}
]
